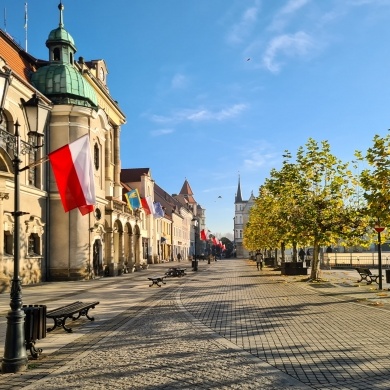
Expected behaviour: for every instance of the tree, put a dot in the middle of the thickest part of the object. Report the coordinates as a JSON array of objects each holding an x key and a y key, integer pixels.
[
  {"x": 375, "y": 182},
  {"x": 310, "y": 200}
]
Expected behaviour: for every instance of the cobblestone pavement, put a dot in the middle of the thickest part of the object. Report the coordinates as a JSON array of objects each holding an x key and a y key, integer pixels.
[{"x": 227, "y": 326}]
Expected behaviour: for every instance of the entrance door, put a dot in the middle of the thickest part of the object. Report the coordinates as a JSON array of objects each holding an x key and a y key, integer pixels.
[{"x": 97, "y": 258}]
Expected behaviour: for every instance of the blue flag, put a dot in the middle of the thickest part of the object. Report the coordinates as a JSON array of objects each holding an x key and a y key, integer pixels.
[
  {"x": 158, "y": 211},
  {"x": 133, "y": 199}
]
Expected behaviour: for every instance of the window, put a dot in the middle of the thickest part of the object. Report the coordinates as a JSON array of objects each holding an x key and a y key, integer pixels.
[
  {"x": 96, "y": 159},
  {"x": 8, "y": 243},
  {"x": 56, "y": 54},
  {"x": 34, "y": 244}
]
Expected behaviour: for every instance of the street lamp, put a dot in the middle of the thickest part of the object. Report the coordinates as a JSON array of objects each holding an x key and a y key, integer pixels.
[
  {"x": 379, "y": 229},
  {"x": 15, "y": 355},
  {"x": 195, "y": 262}
]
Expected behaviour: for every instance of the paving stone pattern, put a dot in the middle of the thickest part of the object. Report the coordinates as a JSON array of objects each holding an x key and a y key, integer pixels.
[
  {"x": 227, "y": 326},
  {"x": 308, "y": 333}
]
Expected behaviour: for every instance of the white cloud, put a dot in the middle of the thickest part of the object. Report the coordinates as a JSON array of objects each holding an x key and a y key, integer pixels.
[
  {"x": 160, "y": 132},
  {"x": 282, "y": 17},
  {"x": 179, "y": 81},
  {"x": 240, "y": 31},
  {"x": 295, "y": 45},
  {"x": 258, "y": 154},
  {"x": 201, "y": 115}
]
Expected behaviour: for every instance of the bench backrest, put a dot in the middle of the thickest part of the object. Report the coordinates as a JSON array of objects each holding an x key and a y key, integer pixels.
[{"x": 364, "y": 271}]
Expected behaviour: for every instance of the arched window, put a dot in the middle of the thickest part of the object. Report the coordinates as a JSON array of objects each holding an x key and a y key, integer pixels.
[
  {"x": 96, "y": 158},
  {"x": 34, "y": 245},
  {"x": 56, "y": 54}
]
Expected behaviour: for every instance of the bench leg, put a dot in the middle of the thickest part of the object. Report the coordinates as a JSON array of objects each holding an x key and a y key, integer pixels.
[
  {"x": 34, "y": 351},
  {"x": 157, "y": 282},
  {"x": 60, "y": 322}
]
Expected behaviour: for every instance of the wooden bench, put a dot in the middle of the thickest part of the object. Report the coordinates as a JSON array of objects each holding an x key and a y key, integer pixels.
[
  {"x": 365, "y": 274},
  {"x": 157, "y": 280},
  {"x": 74, "y": 311}
]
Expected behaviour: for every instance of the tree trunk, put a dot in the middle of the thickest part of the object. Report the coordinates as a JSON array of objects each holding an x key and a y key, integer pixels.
[
  {"x": 315, "y": 263},
  {"x": 295, "y": 253},
  {"x": 282, "y": 252}
]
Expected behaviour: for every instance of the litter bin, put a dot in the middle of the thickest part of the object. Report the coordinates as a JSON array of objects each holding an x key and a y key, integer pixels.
[
  {"x": 34, "y": 327},
  {"x": 388, "y": 276}
]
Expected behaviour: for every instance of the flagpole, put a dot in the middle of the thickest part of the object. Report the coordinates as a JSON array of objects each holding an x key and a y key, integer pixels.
[{"x": 35, "y": 164}]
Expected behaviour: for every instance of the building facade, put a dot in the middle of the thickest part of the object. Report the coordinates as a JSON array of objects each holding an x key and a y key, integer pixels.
[
  {"x": 241, "y": 218},
  {"x": 59, "y": 245}
]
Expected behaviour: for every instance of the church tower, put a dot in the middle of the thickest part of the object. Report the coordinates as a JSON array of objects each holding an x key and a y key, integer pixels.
[
  {"x": 241, "y": 218},
  {"x": 239, "y": 205}
]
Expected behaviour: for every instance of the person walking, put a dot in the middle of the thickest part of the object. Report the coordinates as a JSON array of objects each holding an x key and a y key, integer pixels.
[{"x": 259, "y": 260}]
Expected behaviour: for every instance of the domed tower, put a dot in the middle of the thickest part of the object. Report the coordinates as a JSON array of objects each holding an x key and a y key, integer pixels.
[
  {"x": 60, "y": 80},
  {"x": 75, "y": 113}
]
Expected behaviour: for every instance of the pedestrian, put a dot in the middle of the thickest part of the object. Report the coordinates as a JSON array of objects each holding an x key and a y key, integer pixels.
[
  {"x": 301, "y": 254},
  {"x": 259, "y": 260},
  {"x": 178, "y": 257}
]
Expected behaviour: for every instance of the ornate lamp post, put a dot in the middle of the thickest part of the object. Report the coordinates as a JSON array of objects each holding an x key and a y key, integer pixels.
[
  {"x": 195, "y": 262},
  {"x": 15, "y": 356},
  {"x": 379, "y": 229}
]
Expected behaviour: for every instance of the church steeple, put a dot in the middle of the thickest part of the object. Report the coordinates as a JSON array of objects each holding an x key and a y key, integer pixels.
[{"x": 238, "y": 194}]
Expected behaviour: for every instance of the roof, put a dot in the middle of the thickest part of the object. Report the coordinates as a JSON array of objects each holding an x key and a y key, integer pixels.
[
  {"x": 132, "y": 175},
  {"x": 59, "y": 79},
  {"x": 238, "y": 195},
  {"x": 16, "y": 58},
  {"x": 187, "y": 193},
  {"x": 64, "y": 85},
  {"x": 167, "y": 201},
  {"x": 60, "y": 35}
]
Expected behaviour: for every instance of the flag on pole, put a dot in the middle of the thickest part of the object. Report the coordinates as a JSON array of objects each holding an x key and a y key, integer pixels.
[
  {"x": 133, "y": 199},
  {"x": 159, "y": 212},
  {"x": 149, "y": 201},
  {"x": 73, "y": 171},
  {"x": 145, "y": 206},
  {"x": 203, "y": 235}
]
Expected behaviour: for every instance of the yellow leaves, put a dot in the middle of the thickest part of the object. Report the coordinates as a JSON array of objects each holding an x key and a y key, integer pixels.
[{"x": 376, "y": 304}]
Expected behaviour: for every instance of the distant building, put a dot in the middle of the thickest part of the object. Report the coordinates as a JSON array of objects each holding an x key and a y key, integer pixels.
[{"x": 241, "y": 218}]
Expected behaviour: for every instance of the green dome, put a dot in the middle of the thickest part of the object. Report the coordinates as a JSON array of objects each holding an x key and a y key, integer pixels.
[
  {"x": 63, "y": 84},
  {"x": 60, "y": 35}
]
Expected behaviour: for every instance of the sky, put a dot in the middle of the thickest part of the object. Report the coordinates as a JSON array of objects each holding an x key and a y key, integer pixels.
[{"x": 217, "y": 90}]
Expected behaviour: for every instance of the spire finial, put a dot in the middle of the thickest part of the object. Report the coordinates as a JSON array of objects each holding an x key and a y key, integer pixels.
[{"x": 61, "y": 8}]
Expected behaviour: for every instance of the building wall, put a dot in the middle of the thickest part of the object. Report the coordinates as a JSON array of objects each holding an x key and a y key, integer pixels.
[{"x": 32, "y": 196}]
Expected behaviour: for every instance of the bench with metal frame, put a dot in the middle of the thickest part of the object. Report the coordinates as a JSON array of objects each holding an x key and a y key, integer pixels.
[
  {"x": 367, "y": 275},
  {"x": 157, "y": 280},
  {"x": 176, "y": 272},
  {"x": 74, "y": 311}
]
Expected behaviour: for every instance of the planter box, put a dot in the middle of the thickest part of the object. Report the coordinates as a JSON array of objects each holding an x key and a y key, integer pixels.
[{"x": 293, "y": 269}]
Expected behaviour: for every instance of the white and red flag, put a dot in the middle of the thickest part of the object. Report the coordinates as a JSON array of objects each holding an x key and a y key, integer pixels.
[{"x": 73, "y": 171}]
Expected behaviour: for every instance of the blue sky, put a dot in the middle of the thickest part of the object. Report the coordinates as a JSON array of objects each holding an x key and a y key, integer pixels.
[{"x": 214, "y": 89}]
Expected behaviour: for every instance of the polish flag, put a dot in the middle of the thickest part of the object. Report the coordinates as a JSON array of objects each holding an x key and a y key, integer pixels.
[
  {"x": 145, "y": 206},
  {"x": 73, "y": 171}
]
